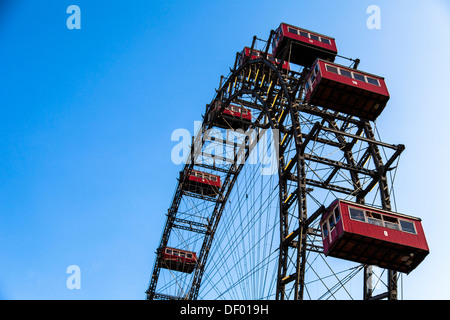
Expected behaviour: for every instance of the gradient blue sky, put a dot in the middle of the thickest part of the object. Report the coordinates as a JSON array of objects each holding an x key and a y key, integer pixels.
[{"x": 87, "y": 115}]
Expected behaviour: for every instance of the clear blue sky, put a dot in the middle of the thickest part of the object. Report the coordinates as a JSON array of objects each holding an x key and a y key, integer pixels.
[{"x": 87, "y": 115}]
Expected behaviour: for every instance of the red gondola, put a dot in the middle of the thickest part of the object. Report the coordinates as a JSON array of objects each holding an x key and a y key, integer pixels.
[
  {"x": 372, "y": 236},
  {"x": 306, "y": 46},
  {"x": 244, "y": 56},
  {"x": 238, "y": 112},
  {"x": 346, "y": 90},
  {"x": 178, "y": 260},
  {"x": 233, "y": 117},
  {"x": 203, "y": 183}
]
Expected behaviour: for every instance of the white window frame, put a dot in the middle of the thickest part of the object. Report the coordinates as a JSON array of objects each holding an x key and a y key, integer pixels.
[{"x": 383, "y": 222}]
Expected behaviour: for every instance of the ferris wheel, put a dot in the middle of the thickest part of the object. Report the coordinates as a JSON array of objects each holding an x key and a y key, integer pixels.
[{"x": 287, "y": 192}]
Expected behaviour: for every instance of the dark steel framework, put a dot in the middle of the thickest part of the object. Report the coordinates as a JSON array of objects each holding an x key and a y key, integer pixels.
[{"x": 276, "y": 97}]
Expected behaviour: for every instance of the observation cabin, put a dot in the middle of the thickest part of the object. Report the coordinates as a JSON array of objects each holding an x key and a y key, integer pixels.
[
  {"x": 178, "y": 260},
  {"x": 244, "y": 56},
  {"x": 232, "y": 117},
  {"x": 301, "y": 46},
  {"x": 346, "y": 90},
  {"x": 205, "y": 184},
  {"x": 373, "y": 236}
]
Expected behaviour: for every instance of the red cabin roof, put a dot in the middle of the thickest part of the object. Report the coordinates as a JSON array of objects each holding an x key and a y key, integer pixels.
[
  {"x": 245, "y": 53},
  {"x": 373, "y": 236},
  {"x": 306, "y": 47},
  {"x": 346, "y": 90}
]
